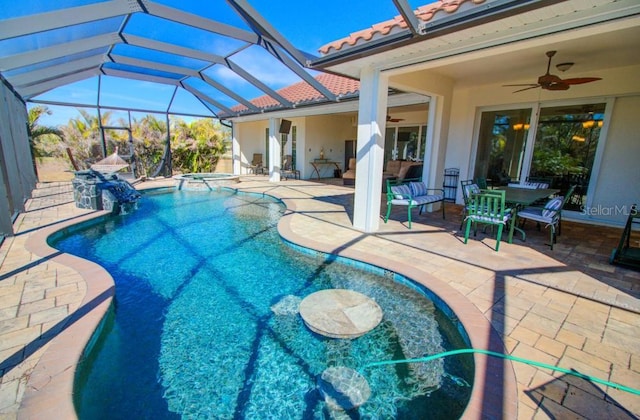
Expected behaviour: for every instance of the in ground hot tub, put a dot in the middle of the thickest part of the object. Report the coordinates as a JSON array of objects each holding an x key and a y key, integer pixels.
[{"x": 204, "y": 181}]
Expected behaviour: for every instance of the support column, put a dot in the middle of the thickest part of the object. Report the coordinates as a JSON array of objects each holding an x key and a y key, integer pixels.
[
  {"x": 236, "y": 152},
  {"x": 372, "y": 117},
  {"x": 433, "y": 139},
  {"x": 275, "y": 154}
]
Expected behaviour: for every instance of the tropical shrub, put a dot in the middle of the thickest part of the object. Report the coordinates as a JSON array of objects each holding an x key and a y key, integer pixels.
[{"x": 197, "y": 147}]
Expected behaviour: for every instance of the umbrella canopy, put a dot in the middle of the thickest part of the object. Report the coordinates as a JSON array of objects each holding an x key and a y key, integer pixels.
[{"x": 111, "y": 163}]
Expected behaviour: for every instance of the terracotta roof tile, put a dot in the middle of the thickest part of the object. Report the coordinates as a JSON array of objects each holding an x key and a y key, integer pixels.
[
  {"x": 423, "y": 13},
  {"x": 302, "y": 92}
]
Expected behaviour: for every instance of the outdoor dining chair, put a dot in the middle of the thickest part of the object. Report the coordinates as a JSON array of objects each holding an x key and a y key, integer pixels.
[
  {"x": 550, "y": 214},
  {"x": 481, "y": 182},
  {"x": 487, "y": 208},
  {"x": 256, "y": 165},
  {"x": 469, "y": 187},
  {"x": 287, "y": 168}
]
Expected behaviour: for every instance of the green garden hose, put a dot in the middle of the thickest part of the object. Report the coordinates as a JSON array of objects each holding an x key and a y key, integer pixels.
[{"x": 508, "y": 357}]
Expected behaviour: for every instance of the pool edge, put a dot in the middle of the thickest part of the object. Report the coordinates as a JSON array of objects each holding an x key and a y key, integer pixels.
[{"x": 49, "y": 389}]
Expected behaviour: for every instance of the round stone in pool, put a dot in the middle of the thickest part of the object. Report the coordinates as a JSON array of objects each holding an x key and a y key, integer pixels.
[
  {"x": 343, "y": 388},
  {"x": 340, "y": 313}
]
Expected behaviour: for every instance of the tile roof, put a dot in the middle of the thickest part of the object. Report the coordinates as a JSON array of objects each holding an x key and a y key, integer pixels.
[
  {"x": 302, "y": 93},
  {"x": 423, "y": 13}
]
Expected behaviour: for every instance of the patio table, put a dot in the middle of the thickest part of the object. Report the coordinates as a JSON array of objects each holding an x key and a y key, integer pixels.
[
  {"x": 318, "y": 163},
  {"x": 522, "y": 197}
]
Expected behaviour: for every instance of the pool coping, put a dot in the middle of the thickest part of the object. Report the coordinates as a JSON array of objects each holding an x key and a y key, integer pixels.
[{"x": 49, "y": 389}]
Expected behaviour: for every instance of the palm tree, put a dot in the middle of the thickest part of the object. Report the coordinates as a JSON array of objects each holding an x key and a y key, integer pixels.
[
  {"x": 197, "y": 147},
  {"x": 40, "y": 136},
  {"x": 149, "y": 139},
  {"x": 82, "y": 135}
]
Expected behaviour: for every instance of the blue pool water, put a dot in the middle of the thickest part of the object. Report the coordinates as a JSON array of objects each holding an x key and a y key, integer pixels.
[{"x": 205, "y": 325}]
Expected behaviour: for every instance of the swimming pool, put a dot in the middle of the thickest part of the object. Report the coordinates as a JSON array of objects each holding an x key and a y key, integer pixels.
[{"x": 204, "y": 323}]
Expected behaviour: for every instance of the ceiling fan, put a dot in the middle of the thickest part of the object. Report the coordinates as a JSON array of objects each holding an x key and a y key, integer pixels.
[{"x": 552, "y": 82}]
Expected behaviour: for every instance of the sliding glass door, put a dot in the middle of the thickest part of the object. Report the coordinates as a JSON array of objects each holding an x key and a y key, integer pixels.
[
  {"x": 562, "y": 154},
  {"x": 501, "y": 145},
  {"x": 565, "y": 148}
]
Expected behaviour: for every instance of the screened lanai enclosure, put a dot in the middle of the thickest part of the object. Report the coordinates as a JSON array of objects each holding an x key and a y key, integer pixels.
[{"x": 149, "y": 80}]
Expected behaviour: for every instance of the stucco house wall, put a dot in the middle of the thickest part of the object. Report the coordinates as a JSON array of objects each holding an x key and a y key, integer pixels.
[
  {"x": 312, "y": 133},
  {"x": 618, "y": 183},
  {"x": 250, "y": 139}
]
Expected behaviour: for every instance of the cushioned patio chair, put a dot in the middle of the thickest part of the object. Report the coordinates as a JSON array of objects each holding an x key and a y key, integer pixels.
[
  {"x": 349, "y": 176},
  {"x": 550, "y": 214},
  {"x": 540, "y": 182},
  {"x": 481, "y": 182},
  {"x": 567, "y": 197},
  {"x": 469, "y": 187},
  {"x": 256, "y": 166},
  {"x": 487, "y": 208},
  {"x": 412, "y": 195}
]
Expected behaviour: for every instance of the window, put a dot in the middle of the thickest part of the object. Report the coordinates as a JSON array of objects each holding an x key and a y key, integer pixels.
[
  {"x": 294, "y": 140},
  {"x": 405, "y": 143}
]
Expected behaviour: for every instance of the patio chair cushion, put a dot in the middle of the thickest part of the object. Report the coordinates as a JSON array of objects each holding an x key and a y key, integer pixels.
[
  {"x": 491, "y": 218},
  {"x": 537, "y": 185},
  {"x": 471, "y": 189},
  {"x": 552, "y": 207},
  {"x": 418, "y": 188},
  {"x": 413, "y": 194},
  {"x": 427, "y": 199},
  {"x": 401, "y": 192}
]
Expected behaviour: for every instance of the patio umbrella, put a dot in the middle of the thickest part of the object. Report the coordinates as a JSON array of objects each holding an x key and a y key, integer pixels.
[{"x": 111, "y": 163}]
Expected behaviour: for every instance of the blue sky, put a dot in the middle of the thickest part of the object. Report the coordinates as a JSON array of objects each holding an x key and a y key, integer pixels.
[{"x": 307, "y": 24}]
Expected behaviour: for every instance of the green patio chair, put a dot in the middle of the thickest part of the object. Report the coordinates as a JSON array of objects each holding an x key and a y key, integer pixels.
[
  {"x": 481, "y": 182},
  {"x": 469, "y": 187},
  {"x": 487, "y": 208},
  {"x": 412, "y": 194},
  {"x": 567, "y": 197}
]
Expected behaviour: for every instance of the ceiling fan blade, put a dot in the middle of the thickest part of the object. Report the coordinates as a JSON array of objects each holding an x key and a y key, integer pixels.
[
  {"x": 523, "y": 84},
  {"x": 527, "y": 88},
  {"x": 580, "y": 80}
]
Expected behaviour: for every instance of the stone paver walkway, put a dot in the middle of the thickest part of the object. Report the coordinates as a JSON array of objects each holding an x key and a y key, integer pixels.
[{"x": 567, "y": 307}]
